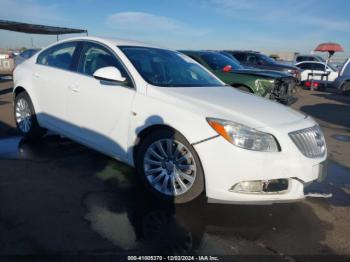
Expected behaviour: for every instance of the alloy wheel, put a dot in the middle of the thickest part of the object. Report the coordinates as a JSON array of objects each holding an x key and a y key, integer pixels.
[
  {"x": 169, "y": 167},
  {"x": 23, "y": 115}
]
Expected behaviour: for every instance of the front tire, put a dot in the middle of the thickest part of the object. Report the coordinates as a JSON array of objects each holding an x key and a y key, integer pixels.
[
  {"x": 169, "y": 166},
  {"x": 25, "y": 117}
]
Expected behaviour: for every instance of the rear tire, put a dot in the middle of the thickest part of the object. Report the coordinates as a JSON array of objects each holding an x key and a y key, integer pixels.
[
  {"x": 25, "y": 118},
  {"x": 169, "y": 166}
]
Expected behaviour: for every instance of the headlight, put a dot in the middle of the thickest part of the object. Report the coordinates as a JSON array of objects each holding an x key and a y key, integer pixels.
[{"x": 243, "y": 136}]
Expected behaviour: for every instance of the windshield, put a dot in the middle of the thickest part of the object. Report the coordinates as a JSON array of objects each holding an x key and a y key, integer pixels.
[
  {"x": 267, "y": 59},
  {"x": 218, "y": 61},
  {"x": 167, "y": 68}
]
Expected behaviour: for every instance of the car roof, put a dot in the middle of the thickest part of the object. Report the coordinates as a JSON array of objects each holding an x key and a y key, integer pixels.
[
  {"x": 313, "y": 62},
  {"x": 108, "y": 41},
  {"x": 312, "y": 55},
  {"x": 243, "y": 51},
  {"x": 200, "y": 52}
]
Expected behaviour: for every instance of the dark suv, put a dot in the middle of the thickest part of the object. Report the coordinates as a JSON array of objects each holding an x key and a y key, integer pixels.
[{"x": 261, "y": 61}]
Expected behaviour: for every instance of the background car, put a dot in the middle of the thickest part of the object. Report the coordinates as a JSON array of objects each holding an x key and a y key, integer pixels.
[
  {"x": 259, "y": 60},
  {"x": 317, "y": 68},
  {"x": 184, "y": 130},
  {"x": 342, "y": 82},
  {"x": 270, "y": 84},
  {"x": 302, "y": 58},
  {"x": 6, "y": 64},
  {"x": 26, "y": 54}
]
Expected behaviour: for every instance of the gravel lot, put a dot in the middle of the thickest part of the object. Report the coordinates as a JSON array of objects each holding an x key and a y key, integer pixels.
[{"x": 58, "y": 197}]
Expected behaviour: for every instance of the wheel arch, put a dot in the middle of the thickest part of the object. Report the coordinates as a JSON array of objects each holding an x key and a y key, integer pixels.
[
  {"x": 17, "y": 90},
  {"x": 238, "y": 85},
  {"x": 145, "y": 132}
]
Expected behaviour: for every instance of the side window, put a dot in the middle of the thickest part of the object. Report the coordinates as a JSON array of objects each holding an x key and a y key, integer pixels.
[
  {"x": 319, "y": 67},
  {"x": 301, "y": 58},
  {"x": 251, "y": 59},
  {"x": 94, "y": 57},
  {"x": 240, "y": 57},
  {"x": 306, "y": 66},
  {"x": 59, "y": 56},
  {"x": 25, "y": 54}
]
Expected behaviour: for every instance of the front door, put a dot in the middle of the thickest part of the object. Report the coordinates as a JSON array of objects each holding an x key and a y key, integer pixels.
[{"x": 101, "y": 109}]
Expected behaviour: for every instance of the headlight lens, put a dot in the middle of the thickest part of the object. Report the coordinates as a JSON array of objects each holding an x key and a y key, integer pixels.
[{"x": 243, "y": 136}]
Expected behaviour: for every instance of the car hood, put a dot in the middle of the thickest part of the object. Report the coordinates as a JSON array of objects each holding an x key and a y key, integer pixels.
[
  {"x": 263, "y": 73},
  {"x": 227, "y": 103},
  {"x": 283, "y": 66}
]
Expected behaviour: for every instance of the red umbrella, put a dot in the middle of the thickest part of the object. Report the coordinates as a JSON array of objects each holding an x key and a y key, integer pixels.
[{"x": 331, "y": 48}]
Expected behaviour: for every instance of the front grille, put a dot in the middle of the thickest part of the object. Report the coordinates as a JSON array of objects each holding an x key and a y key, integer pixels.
[{"x": 310, "y": 141}]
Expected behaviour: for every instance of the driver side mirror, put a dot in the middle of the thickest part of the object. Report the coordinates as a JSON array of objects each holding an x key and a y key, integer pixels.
[{"x": 109, "y": 73}]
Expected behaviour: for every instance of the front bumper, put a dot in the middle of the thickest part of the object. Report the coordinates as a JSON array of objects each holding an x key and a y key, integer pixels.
[
  {"x": 282, "y": 91},
  {"x": 225, "y": 165}
]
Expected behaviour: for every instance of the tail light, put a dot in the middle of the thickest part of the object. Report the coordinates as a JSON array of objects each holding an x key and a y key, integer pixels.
[
  {"x": 227, "y": 68},
  {"x": 309, "y": 83}
]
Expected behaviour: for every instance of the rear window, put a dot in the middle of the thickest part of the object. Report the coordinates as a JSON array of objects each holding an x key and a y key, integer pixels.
[{"x": 59, "y": 56}]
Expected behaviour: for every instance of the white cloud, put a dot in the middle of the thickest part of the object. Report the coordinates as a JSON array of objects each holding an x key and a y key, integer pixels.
[
  {"x": 144, "y": 23},
  {"x": 303, "y": 13},
  {"x": 29, "y": 11}
]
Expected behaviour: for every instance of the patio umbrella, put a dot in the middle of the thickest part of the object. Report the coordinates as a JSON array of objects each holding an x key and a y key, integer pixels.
[{"x": 331, "y": 48}]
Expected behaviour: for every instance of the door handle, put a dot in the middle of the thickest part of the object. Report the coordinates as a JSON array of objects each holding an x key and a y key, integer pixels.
[{"x": 74, "y": 88}]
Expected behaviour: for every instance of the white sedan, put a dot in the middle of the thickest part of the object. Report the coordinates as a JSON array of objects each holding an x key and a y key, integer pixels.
[
  {"x": 316, "y": 69},
  {"x": 183, "y": 129}
]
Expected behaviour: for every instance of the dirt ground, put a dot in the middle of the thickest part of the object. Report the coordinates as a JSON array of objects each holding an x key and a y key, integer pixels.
[{"x": 58, "y": 197}]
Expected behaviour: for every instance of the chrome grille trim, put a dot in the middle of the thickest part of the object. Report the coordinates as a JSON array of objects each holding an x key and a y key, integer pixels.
[{"x": 310, "y": 141}]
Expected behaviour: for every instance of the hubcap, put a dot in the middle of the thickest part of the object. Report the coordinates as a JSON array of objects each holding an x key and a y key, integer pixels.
[
  {"x": 169, "y": 167},
  {"x": 23, "y": 115}
]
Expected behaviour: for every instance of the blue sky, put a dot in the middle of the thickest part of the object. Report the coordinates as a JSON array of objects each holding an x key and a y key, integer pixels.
[{"x": 266, "y": 25}]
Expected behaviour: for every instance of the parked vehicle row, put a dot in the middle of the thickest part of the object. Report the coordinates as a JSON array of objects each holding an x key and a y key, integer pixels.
[
  {"x": 274, "y": 85},
  {"x": 262, "y": 61},
  {"x": 184, "y": 130},
  {"x": 9, "y": 61},
  {"x": 318, "y": 69},
  {"x": 319, "y": 74}
]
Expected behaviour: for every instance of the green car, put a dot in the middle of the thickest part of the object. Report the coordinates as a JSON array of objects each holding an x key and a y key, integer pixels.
[{"x": 270, "y": 84}]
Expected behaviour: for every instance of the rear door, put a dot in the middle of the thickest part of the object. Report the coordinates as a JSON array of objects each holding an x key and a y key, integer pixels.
[{"x": 52, "y": 76}]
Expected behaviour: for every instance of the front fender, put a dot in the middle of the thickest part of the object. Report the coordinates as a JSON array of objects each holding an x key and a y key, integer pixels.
[{"x": 149, "y": 111}]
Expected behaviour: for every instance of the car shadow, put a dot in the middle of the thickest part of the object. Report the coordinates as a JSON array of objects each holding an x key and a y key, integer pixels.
[
  {"x": 335, "y": 97},
  {"x": 82, "y": 201},
  {"x": 337, "y": 114}
]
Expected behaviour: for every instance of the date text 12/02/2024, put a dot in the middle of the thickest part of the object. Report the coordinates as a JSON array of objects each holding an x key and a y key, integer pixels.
[{"x": 173, "y": 258}]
